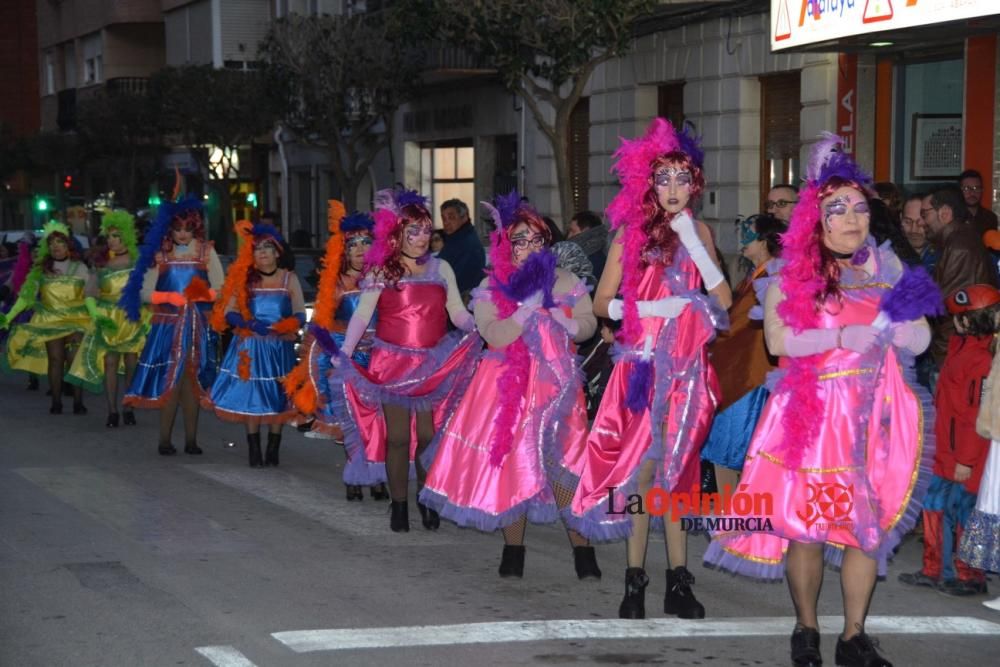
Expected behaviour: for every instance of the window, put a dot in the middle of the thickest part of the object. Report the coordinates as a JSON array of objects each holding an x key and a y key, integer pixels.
[
  {"x": 781, "y": 107},
  {"x": 49, "y": 84},
  {"x": 448, "y": 172},
  {"x": 578, "y": 156},
  {"x": 670, "y": 103},
  {"x": 92, "y": 58}
]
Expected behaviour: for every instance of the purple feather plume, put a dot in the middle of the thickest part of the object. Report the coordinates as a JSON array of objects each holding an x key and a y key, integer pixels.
[
  {"x": 828, "y": 159},
  {"x": 264, "y": 229},
  {"x": 506, "y": 206},
  {"x": 537, "y": 273},
  {"x": 324, "y": 339},
  {"x": 914, "y": 295},
  {"x": 410, "y": 198},
  {"x": 690, "y": 143},
  {"x": 640, "y": 386}
]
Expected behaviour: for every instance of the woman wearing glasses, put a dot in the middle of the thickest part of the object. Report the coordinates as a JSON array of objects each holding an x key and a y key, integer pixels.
[
  {"x": 511, "y": 452},
  {"x": 662, "y": 392}
]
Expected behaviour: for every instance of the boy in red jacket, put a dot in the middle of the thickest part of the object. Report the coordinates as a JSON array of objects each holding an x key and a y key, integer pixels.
[{"x": 961, "y": 452}]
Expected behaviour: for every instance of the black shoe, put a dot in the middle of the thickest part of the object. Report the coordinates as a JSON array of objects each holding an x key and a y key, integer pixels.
[
  {"x": 79, "y": 408},
  {"x": 399, "y": 518},
  {"x": 354, "y": 492},
  {"x": 859, "y": 651},
  {"x": 585, "y": 562},
  {"x": 273, "y": 445},
  {"x": 917, "y": 578},
  {"x": 679, "y": 598},
  {"x": 55, "y": 408},
  {"x": 112, "y": 420},
  {"x": 430, "y": 518},
  {"x": 128, "y": 418},
  {"x": 634, "y": 603},
  {"x": 192, "y": 448},
  {"x": 305, "y": 427},
  {"x": 166, "y": 449},
  {"x": 805, "y": 647},
  {"x": 512, "y": 561},
  {"x": 961, "y": 589},
  {"x": 253, "y": 446},
  {"x": 379, "y": 492},
  {"x": 32, "y": 383}
]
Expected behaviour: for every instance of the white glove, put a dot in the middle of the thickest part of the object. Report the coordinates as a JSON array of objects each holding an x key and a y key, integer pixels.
[
  {"x": 688, "y": 234},
  {"x": 667, "y": 307},
  {"x": 616, "y": 309},
  {"x": 533, "y": 301},
  {"x": 527, "y": 307}
]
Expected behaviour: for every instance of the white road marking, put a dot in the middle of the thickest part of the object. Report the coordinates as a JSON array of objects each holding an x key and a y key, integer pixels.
[
  {"x": 306, "y": 641},
  {"x": 225, "y": 656}
]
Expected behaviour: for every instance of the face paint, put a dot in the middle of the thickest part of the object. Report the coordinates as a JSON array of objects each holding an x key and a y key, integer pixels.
[
  {"x": 416, "y": 231},
  {"x": 747, "y": 233},
  {"x": 680, "y": 177},
  {"x": 359, "y": 240},
  {"x": 838, "y": 207}
]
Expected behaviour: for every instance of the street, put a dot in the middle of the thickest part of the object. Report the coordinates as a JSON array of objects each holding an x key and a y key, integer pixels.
[{"x": 113, "y": 555}]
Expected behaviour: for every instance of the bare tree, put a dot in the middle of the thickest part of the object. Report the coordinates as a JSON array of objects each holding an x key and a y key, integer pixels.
[{"x": 342, "y": 78}]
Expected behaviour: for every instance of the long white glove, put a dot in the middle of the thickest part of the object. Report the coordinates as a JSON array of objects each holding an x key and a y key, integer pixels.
[
  {"x": 616, "y": 309},
  {"x": 667, "y": 307},
  {"x": 684, "y": 225}
]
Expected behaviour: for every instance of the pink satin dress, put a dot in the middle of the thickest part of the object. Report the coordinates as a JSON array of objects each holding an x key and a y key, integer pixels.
[
  {"x": 684, "y": 399},
  {"x": 464, "y": 486},
  {"x": 415, "y": 363},
  {"x": 861, "y": 480}
]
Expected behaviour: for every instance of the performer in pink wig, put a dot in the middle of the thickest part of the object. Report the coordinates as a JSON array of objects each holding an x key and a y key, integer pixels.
[
  {"x": 418, "y": 370},
  {"x": 844, "y": 444},
  {"x": 662, "y": 392},
  {"x": 512, "y": 451}
]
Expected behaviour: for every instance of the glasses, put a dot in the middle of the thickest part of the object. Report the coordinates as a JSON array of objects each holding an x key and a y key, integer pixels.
[
  {"x": 924, "y": 212},
  {"x": 972, "y": 188},
  {"x": 780, "y": 203},
  {"x": 523, "y": 242},
  {"x": 681, "y": 179}
]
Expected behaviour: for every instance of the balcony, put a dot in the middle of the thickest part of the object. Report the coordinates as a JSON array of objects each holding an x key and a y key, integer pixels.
[
  {"x": 445, "y": 63},
  {"x": 127, "y": 85}
]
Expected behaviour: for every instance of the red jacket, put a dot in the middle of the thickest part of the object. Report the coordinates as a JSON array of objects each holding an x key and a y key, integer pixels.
[{"x": 959, "y": 391}]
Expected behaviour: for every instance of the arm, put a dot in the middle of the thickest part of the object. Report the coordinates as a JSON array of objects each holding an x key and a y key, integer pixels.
[
  {"x": 460, "y": 317},
  {"x": 722, "y": 292},
  {"x": 497, "y": 333},
  {"x": 782, "y": 341},
  {"x": 92, "y": 288},
  {"x": 216, "y": 276},
  {"x": 298, "y": 299},
  {"x": 359, "y": 320},
  {"x": 149, "y": 283},
  {"x": 582, "y": 324},
  {"x": 611, "y": 278}
]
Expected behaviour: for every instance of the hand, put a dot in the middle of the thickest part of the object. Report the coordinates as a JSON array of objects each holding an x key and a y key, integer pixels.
[
  {"x": 106, "y": 324},
  {"x": 235, "y": 320},
  {"x": 176, "y": 299},
  {"x": 858, "y": 337},
  {"x": 568, "y": 323},
  {"x": 903, "y": 335},
  {"x": 616, "y": 309},
  {"x": 686, "y": 230},
  {"x": 259, "y": 327},
  {"x": 667, "y": 308},
  {"x": 533, "y": 301},
  {"x": 962, "y": 473}
]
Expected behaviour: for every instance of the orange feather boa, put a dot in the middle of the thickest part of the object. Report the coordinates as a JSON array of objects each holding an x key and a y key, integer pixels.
[{"x": 236, "y": 279}]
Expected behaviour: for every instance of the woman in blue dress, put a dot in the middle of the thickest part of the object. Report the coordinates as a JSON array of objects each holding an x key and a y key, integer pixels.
[
  {"x": 178, "y": 273},
  {"x": 262, "y": 302}
]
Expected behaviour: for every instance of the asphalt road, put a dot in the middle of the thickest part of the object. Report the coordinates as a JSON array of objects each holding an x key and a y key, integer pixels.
[{"x": 113, "y": 555}]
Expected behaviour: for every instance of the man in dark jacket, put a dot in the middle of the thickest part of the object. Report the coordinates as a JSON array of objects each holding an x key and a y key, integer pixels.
[
  {"x": 588, "y": 231},
  {"x": 462, "y": 248},
  {"x": 963, "y": 259}
]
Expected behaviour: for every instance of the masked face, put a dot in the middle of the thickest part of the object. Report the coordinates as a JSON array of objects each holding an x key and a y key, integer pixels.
[
  {"x": 673, "y": 187},
  {"x": 58, "y": 248},
  {"x": 357, "y": 246},
  {"x": 417, "y": 238},
  {"x": 845, "y": 219},
  {"x": 525, "y": 241}
]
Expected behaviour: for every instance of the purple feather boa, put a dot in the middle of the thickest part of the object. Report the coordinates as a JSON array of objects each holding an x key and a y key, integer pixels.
[
  {"x": 538, "y": 272},
  {"x": 913, "y": 296},
  {"x": 324, "y": 339},
  {"x": 640, "y": 386}
]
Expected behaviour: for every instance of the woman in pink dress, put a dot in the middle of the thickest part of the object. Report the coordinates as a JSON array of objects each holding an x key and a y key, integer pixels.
[
  {"x": 842, "y": 450},
  {"x": 418, "y": 370},
  {"x": 662, "y": 393},
  {"x": 512, "y": 450}
]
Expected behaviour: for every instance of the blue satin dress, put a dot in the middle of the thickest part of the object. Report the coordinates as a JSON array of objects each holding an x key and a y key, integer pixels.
[
  {"x": 362, "y": 351},
  {"x": 180, "y": 340},
  {"x": 270, "y": 360}
]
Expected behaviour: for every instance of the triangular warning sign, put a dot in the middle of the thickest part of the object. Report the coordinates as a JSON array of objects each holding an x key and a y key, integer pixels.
[
  {"x": 877, "y": 10},
  {"x": 783, "y": 26}
]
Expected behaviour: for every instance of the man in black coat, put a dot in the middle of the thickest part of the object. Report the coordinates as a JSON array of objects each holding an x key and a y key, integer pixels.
[{"x": 462, "y": 248}]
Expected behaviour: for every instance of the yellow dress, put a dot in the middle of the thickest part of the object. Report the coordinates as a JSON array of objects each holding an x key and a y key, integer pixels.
[
  {"x": 59, "y": 312},
  {"x": 87, "y": 369}
]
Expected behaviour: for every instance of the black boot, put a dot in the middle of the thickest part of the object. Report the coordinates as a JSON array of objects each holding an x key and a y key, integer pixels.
[
  {"x": 79, "y": 408},
  {"x": 253, "y": 446},
  {"x": 166, "y": 449},
  {"x": 805, "y": 647},
  {"x": 192, "y": 448},
  {"x": 585, "y": 561},
  {"x": 430, "y": 518},
  {"x": 634, "y": 603},
  {"x": 512, "y": 561},
  {"x": 128, "y": 417},
  {"x": 399, "y": 517},
  {"x": 112, "y": 420},
  {"x": 379, "y": 492},
  {"x": 860, "y": 651},
  {"x": 273, "y": 444},
  {"x": 56, "y": 407},
  {"x": 32, "y": 383},
  {"x": 679, "y": 598}
]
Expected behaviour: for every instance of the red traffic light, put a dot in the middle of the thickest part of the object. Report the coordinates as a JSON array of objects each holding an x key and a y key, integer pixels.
[{"x": 68, "y": 182}]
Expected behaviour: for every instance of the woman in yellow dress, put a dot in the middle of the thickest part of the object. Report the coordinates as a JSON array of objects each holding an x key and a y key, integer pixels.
[
  {"x": 114, "y": 338},
  {"x": 55, "y": 290}
]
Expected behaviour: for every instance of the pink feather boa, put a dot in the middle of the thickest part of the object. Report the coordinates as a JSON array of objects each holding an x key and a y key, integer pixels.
[
  {"x": 21, "y": 267},
  {"x": 386, "y": 224}
]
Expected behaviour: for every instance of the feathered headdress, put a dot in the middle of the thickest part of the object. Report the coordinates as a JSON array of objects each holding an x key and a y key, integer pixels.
[
  {"x": 389, "y": 205},
  {"x": 131, "y": 298},
  {"x": 124, "y": 222},
  {"x": 33, "y": 278}
]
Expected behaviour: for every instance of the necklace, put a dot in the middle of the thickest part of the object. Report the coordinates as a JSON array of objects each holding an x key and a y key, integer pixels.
[
  {"x": 122, "y": 253},
  {"x": 268, "y": 274},
  {"x": 416, "y": 259}
]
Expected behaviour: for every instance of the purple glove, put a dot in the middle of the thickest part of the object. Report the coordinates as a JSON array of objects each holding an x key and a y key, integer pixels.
[
  {"x": 259, "y": 327},
  {"x": 568, "y": 323},
  {"x": 858, "y": 337},
  {"x": 235, "y": 320}
]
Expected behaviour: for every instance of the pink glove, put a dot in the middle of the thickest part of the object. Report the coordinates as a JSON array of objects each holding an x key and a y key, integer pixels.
[
  {"x": 568, "y": 323},
  {"x": 911, "y": 336},
  {"x": 810, "y": 341},
  {"x": 858, "y": 337}
]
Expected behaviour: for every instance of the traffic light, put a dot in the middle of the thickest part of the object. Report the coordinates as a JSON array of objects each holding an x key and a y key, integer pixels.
[
  {"x": 153, "y": 201},
  {"x": 41, "y": 204},
  {"x": 68, "y": 182},
  {"x": 252, "y": 199}
]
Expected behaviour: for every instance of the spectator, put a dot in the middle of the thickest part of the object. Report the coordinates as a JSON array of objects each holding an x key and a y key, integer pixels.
[
  {"x": 916, "y": 232},
  {"x": 892, "y": 197},
  {"x": 437, "y": 242},
  {"x": 588, "y": 231},
  {"x": 963, "y": 260},
  {"x": 885, "y": 227},
  {"x": 971, "y": 183},
  {"x": 781, "y": 199},
  {"x": 462, "y": 248}
]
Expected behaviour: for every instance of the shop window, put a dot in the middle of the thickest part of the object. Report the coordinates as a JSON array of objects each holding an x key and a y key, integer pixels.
[
  {"x": 670, "y": 103},
  {"x": 448, "y": 172},
  {"x": 578, "y": 149},
  {"x": 781, "y": 108}
]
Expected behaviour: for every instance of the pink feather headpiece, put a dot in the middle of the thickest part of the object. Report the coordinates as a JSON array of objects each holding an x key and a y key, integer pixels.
[{"x": 388, "y": 215}]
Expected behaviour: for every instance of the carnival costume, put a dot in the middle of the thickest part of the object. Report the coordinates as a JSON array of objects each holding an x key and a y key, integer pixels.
[
  {"x": 416, "y": 364},
  {"x": 13, "y": 274},
  {"x": 264, "y": 319},
  {"x": 55, "y": 290},
  {"x": 513, "y": 448},
  {"x": 113, "y": 331}
]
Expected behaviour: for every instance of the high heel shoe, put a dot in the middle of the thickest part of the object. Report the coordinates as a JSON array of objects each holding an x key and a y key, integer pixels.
[
  {"x": 399, "y": 519},
  {"x": 192, "y": 448},
  {"x": 79, "y": 408},
  {"x": 273, "y": 445},
  {"x": 128, "y": 418},
  {"x": 112, "y": 420},
  {"x": 512, "y": 561},
  {"x": 379, "y": 492},
  {"x": 354, "y": 492},
  {"x": 166, "y": 449},
  {"x": 55, "y": 408},
  {"x": 253, "y": 449},
  {"x": 430, "y": 518}
]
